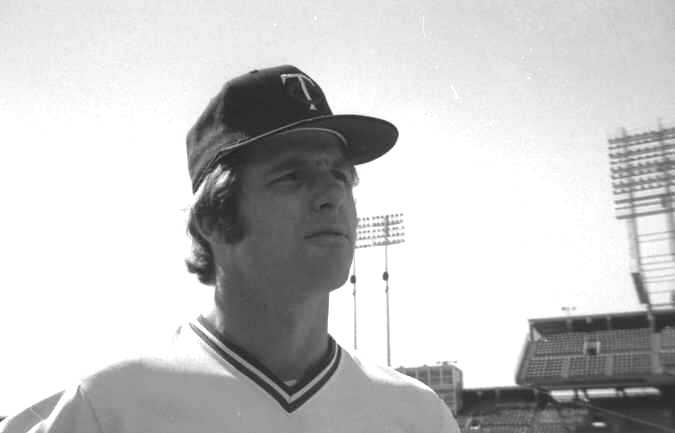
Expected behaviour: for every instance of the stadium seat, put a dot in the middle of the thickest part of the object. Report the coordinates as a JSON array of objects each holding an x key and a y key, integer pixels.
[
  {"x": 623, "y": 340},
  {"x": 550, "y": 428},
  {"x": 668, "y": 337},
  {"x": 667, "y": 359},
  {"x": 632, "y": 364},
  {"x": 588, "y": 366},
  {"x": 546, "y": 367},
  {"x": 512, "y": 417}
]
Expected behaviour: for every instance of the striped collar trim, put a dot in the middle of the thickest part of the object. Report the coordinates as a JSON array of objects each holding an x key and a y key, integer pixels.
[{"x": 289, "y": 397}]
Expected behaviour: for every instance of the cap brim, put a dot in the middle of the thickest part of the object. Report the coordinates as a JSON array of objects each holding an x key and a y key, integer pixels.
[{"x": 368, "y": 138}]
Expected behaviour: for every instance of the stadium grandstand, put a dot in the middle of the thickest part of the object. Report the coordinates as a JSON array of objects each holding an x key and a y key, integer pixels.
[
  {"x": 623, "y": 349},
  {"x": 593, "y": 373}
]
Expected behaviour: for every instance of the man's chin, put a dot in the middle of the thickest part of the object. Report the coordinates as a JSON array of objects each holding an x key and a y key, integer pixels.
[{"x": 331, "y": 277}]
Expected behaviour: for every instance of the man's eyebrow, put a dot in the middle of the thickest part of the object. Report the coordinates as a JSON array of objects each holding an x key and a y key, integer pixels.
[
  {"x": 284, "y": 164},
  {"x": 294, "y": 162}
]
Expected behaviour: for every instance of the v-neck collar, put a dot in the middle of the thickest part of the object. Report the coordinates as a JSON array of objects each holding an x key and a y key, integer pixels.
[{"x": 289, "y": 397}]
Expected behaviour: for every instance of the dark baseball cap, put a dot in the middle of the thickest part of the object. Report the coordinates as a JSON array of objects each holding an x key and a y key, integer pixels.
[{"x": 269, "y": 101}]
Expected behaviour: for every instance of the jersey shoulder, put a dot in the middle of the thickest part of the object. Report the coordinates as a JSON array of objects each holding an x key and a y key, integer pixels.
[
  {"x": 407, "y": 400},
  {"x": 386, "y": 377},
  {"x": 165, "y": 361}
]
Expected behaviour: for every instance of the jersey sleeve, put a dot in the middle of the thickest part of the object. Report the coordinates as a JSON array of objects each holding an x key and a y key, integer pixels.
[
  {"x": 72, "y": 413},
  {"x": 30, "y": 416},
  {"x": 447, "y": 420}
]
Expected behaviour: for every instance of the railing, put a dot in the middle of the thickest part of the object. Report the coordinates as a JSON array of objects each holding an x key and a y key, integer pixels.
[
  {"x": 611, "y": 341},
  {"x": 560, "y": 344}
]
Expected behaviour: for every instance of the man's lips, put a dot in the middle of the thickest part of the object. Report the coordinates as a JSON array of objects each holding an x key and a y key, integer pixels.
[{"x": 326, "y": 233}]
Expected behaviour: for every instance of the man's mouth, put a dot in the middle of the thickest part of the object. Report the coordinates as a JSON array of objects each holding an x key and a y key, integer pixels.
[
  {"x": 325, "y": 233},
  {"x": 328, "y": 234}
]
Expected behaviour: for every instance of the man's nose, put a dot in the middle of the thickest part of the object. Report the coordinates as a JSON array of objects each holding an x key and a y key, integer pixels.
[{"x": 329, "y": 193}]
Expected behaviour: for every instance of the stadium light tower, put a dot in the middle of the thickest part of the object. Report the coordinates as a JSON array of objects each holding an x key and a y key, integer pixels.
[
  {"x": 376, "y": 231},
  {"x": 643, "y": 180}
]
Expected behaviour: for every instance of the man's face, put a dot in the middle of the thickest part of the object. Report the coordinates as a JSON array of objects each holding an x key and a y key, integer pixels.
[{"x": 298, "y": 214}]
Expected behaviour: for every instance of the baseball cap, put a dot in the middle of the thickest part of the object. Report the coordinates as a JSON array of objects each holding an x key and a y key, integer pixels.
[{"x": 269, "y": 101}]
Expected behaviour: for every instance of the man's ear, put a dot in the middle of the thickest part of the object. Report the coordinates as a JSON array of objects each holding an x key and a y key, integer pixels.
[{"x": 207, "y": 227}]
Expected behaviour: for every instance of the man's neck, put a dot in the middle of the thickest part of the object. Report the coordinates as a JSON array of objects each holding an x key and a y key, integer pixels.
[{"x": 287, "y": 338}]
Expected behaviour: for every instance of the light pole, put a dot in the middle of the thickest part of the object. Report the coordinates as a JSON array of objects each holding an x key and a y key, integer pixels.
[
  {"x": 352, "y": 280},
  {"x": 381, "y": 230}
]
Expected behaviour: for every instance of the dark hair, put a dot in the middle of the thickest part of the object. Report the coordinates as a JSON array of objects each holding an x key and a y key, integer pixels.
[{"x": 214, "y": 211}]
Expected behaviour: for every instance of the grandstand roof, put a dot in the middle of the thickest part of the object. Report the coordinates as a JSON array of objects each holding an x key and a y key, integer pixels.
[{"x": 596, "y": 322}]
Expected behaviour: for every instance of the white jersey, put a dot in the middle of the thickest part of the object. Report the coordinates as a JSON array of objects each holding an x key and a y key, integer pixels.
[{"x": 201, "y": 383}]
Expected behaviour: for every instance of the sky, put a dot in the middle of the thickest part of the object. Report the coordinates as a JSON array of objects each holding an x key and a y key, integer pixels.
[{"x": 501, "y": 169}]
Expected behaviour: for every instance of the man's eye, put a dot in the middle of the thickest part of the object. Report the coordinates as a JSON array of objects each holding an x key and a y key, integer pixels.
[
  {"x": 343, "y": 176},
  {"x": 291, "y": 176}
]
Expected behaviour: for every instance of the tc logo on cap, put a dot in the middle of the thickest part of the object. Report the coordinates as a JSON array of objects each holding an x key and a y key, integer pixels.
[{"x": 302, "y": 88}]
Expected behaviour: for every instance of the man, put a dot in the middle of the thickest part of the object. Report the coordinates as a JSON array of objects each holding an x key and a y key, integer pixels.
[{"x": 273, "y": 226}]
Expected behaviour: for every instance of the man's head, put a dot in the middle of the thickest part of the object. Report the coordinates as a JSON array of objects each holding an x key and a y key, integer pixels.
[{"x": 273, "y": 170}]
